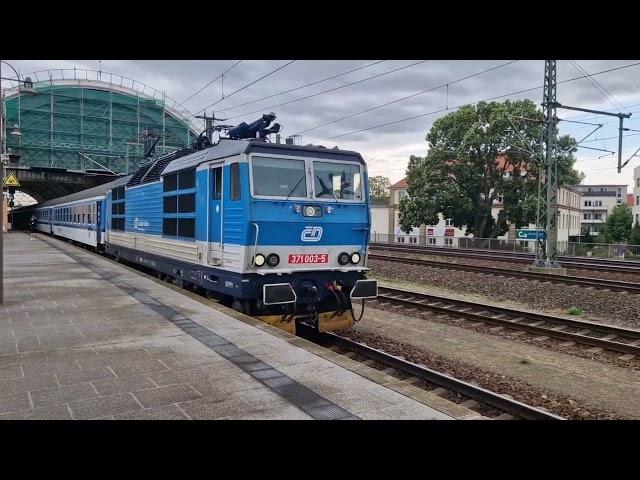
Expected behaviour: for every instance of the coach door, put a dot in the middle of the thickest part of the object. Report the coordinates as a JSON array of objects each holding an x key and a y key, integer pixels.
[{"x": 215, "y": 215}]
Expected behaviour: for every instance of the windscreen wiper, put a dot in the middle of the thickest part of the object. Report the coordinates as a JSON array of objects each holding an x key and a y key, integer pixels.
[{"x": 296, "y": 186}]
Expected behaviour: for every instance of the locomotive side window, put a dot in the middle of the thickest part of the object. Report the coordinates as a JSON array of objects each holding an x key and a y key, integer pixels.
[
  {"x": 340, "y": 181},
  {"x": 279, "y": 177},
  {"x": 236, "y": 191},
  {"x": 170, "y": 182},
  {"x": 187, "y": 179},
  {"x": 117, "y": 208},
  {"x": 179, "y": 205}
]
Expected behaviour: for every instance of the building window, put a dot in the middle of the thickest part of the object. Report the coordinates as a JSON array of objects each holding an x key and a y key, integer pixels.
[
  {"x": 179, "y": 205},
  {"x": 587, "y": 216},
  {"x": 118, "y": 208},
  {"x": 637, "y": 199},
  {"x": 587, "y": 203},
  {"x": 448, "y": 241},
  {"x": 432, "y": 241},
  {"x": 413, "y": 239},
  {"x": 449, "y": 222},
  {"x": 597, "y": 203},
  {"x": 597, "y": 216},
  {"x": 400, "y": 239}
]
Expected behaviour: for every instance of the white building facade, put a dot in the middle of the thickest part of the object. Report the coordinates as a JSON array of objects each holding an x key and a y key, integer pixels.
[{"x": 598, "y": 201}]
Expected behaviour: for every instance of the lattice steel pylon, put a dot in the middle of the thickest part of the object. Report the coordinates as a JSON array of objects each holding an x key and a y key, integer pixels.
[{"x": 547, "y": 248}]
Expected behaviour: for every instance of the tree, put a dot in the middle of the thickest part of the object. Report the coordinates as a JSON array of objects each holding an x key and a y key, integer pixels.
[
  {"x": 586, "y": 233},
  {"x": 617, "y": 228},
  {"x": 379, "y": 187},
  {"x": 634, "y": 238},
  {"x": 474, "y": 157}
]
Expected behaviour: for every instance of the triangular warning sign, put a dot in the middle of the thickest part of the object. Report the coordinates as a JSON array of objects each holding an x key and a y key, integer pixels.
[{"x": 11, "y": 181}]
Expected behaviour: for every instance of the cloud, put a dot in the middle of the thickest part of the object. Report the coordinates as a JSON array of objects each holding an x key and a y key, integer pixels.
[{"x": 393, "y": 143}]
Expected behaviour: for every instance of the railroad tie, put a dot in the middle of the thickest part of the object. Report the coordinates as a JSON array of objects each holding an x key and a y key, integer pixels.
[
  {"x": 611, "y": 336},
  {"x": 439, "y": 391},
  {"x": 470, "y": 404}
]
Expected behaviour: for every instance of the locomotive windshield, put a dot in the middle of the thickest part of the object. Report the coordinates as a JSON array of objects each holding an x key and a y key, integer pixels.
[
  {"x": 279, "y": 177},
  {"x": 340, "y": 181},
  {"x": 291, "y": 178}
]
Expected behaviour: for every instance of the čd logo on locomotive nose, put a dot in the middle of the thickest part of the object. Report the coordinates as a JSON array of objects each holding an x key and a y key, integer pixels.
[{"x": 311, "y": 234}]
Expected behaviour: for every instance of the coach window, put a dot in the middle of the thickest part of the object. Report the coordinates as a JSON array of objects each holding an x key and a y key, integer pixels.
[
  {"x": 118, "y": 208},
  {"x": 179, "y": 205},
  {"x": 340, "y": 181},
  {"x": 279, "y": 177},
  {"x": 236, "y": 191}
]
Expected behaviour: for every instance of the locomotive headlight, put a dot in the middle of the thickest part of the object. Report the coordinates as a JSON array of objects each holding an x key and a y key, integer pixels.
[
  {"x": 355, "y": 257},
  {"x": 343, "y": 258},
  {"x": 273, "y": 260},
  {"x": 259, "y": 260},
  {"x": 310, "y": 211}
]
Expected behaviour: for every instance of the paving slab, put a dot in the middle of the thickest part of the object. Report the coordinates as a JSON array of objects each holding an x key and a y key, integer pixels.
[{"x": 83, "y": 337}]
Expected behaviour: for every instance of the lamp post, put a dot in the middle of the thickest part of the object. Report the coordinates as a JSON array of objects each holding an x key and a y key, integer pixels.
[{"x": 15, "y": 131}]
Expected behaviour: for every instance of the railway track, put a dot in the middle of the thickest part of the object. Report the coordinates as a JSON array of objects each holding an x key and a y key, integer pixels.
[
  {"x": 600, "y": 283},
  {"x": 593, "y": 335},
  {"x": 618, "y": 266},
  {"x": 487, "y": 403}
]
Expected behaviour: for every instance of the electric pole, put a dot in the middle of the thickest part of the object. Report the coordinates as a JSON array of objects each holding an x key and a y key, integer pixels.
[
  {"x": 547, "y": 248},
  {"x": 208, "y": 122}
]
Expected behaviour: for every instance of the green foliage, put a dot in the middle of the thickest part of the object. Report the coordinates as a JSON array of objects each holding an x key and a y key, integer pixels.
[
  {"x": 587, "y": 237},
  {"x": 379, "y": 187},
  {"x": 634, "y": 238},
  {"x": 617, "y": 228},
  {"x": 461, "y": 178},
  {"x": 575, "y": 311}
]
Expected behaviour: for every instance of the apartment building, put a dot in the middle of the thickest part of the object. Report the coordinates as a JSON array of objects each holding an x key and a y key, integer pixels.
[{"x": 598, "y": 201}]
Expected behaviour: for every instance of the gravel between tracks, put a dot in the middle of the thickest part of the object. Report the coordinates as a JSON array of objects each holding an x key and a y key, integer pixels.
[
  {"x": 517, "y": 389},
  {"x": 598, "y": 305}
]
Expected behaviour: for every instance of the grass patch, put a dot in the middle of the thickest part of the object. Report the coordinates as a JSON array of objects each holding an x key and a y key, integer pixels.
[{"x": 575, "y": 311}]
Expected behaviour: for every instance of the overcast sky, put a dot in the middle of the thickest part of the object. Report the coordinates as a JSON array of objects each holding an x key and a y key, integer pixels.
[{"x": 387, "y": 149}]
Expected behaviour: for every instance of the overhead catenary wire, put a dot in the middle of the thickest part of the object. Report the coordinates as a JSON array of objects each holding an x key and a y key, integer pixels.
[
  {"x": 330, "y": 90},
  {"x": 247, "y": 85},
  {"x": 447, "y": 84},
  {"x": 477, "y": 101},
  {"x": 209, "y": 83},
  {"x": 304, "y": 86},
  {"x": 605, "y": 93}
]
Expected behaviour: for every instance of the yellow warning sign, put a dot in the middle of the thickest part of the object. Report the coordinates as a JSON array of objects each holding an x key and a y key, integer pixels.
[{"x": 11, "y": 181}]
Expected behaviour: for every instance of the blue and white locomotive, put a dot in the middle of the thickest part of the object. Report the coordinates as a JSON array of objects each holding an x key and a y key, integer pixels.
[{"x": 277, "y": 231}]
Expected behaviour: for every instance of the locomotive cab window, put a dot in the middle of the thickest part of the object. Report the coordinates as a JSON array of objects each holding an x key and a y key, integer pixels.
[
  {"x": 279, "y": 177},
  {"x": 339, "y": 181}
]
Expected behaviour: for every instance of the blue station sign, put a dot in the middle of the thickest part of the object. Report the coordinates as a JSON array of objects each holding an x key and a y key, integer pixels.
[{"x": 531, "y": 234}]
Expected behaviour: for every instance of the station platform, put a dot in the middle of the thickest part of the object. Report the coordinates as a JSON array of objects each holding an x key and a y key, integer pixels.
[{"x": 83, "y": 337}]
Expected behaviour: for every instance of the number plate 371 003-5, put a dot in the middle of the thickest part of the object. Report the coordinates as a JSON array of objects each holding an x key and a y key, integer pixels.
[{"x": 300, "y": 258}]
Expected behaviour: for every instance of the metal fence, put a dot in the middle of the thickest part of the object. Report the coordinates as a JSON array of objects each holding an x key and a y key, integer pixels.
[{"x": 595, "y": 250}]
